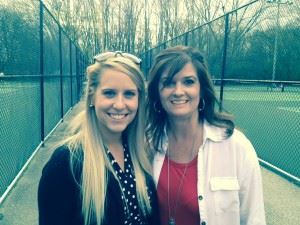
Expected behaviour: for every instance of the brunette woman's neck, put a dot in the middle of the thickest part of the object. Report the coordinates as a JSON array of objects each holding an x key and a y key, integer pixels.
[
  {"x": 184, "y": 140},
  {"x": 180, "y": 129},
  {"x": 179, "y": 133}
]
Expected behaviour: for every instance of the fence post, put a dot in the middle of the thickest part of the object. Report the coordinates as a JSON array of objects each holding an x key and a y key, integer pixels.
[
  {"x": 41, "y": 33},
  {"x": 61, "y": 75},
  {"x": 150, "y": 57},
  {"x": 223, "y": 68},
  {"x": 82, "y": 72},
  {"x": 186, "y": 39},
  {"x": 145, "y": 65},
  {"x": 77, "y": 73},
  {"x": 71, "y": 72}
]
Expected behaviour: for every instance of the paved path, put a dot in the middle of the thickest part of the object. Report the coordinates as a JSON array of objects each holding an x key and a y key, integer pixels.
[{"x": 282, "y": 198}]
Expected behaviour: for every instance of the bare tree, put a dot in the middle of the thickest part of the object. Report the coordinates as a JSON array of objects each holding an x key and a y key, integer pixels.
[
  {"x": 118, "y": 24},
  {"x": 169, "y": 21}
]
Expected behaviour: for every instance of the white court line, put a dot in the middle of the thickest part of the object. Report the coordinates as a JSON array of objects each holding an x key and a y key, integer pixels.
[
  {"x": 7, "y": 91},
  {"x": 290, "y": 109}
]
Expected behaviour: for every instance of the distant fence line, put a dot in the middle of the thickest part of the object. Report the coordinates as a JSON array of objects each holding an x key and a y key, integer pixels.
[
  {"x": 253, "y": 60},
  {"x": 41, "y": 78}
]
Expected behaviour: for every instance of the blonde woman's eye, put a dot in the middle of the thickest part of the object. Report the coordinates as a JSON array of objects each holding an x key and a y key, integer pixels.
[
  {"x": 129, "y": 94},
  {"x": 109, "y": 93}
]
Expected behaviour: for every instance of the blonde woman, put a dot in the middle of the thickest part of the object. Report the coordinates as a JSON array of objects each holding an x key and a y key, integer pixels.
[{"x": 100, "y": 174}]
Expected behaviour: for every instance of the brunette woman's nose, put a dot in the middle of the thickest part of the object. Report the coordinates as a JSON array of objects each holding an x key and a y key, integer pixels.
[{"x": 178, "y": 89}]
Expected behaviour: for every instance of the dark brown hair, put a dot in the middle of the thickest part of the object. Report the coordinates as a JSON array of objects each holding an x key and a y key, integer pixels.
[{"x": 171, "y": 61}]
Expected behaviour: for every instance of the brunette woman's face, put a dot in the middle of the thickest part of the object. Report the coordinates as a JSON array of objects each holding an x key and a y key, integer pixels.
[
  {"x": 116, "y": 101},
  {"x": 180, "y": 97}
]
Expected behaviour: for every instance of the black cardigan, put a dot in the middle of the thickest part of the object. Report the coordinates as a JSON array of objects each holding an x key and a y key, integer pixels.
[{"x": 59, "y": 195}]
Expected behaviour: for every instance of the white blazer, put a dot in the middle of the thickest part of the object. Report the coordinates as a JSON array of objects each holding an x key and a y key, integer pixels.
[{"x": 229, "y": 182}]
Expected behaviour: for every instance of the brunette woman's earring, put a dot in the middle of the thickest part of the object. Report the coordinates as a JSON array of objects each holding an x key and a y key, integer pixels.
[
  {"x": 91, "y": 105},
  {"x": 201, "y": 105},
  {"x": 156, "y": 108}
]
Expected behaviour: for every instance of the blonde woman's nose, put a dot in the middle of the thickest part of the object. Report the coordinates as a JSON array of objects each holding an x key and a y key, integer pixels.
[{"x": 119, "y": 102}]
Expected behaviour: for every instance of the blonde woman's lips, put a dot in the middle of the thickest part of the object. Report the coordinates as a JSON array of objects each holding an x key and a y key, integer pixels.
[{"x": 117, "y": 116}]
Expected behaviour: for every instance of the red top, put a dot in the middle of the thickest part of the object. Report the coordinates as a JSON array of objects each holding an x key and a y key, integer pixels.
[{"x": 187, "y": 211}]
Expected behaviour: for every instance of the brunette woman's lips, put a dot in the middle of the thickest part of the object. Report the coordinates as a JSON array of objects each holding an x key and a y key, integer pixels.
[{"x": 178, "y": 102}]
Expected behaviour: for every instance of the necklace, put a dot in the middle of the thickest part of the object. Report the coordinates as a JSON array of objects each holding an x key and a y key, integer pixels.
[
  {"x": 116, "y": 167},
  {"x": 125, "y": 178},
  {"x": 171, "y": 220}
]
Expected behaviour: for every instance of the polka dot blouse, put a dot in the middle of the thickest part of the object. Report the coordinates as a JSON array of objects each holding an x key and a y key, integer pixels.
[{"x": 127, "y": 181}]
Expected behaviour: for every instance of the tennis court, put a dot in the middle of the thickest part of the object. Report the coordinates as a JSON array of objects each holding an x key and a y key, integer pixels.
[{"x": 271, "y": 120}]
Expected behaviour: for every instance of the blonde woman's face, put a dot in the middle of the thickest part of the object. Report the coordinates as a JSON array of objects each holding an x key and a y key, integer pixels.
[{"x": 116, "y": 101}]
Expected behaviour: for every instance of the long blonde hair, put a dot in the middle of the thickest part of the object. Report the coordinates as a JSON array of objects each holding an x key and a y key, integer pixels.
[{"x": 86, "y": 136}]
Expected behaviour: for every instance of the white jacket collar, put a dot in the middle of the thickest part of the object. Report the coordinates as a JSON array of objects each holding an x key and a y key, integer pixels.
[
  {"x": 215, "y": 134},
  {"x": 211, "y": 132}
]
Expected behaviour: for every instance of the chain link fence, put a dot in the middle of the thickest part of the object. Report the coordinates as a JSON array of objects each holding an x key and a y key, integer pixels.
[
  {"x": 253, "y": 56},
  {"x": 41, "y": 77}
]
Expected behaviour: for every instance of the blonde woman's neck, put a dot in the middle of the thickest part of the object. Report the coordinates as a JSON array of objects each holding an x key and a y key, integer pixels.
[
  {"x": 116, "y": 149},
  {"x": 112, "y": 139}
]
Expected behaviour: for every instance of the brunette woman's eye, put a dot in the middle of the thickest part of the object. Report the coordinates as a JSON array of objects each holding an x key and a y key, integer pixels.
[
  {"x": 189, "y": 81},
  {"x": 166, "y": 83}
]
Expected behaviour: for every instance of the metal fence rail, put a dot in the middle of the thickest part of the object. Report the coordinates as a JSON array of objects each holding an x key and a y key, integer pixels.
[
  {"x": 41, "y": 77},
  {"x": 258, "y": 41}
]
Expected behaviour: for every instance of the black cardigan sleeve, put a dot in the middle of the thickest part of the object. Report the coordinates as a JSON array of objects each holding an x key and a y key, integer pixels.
[
  {"x": 58, "y": 192},
  {"x": 59, "y": 197}
]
